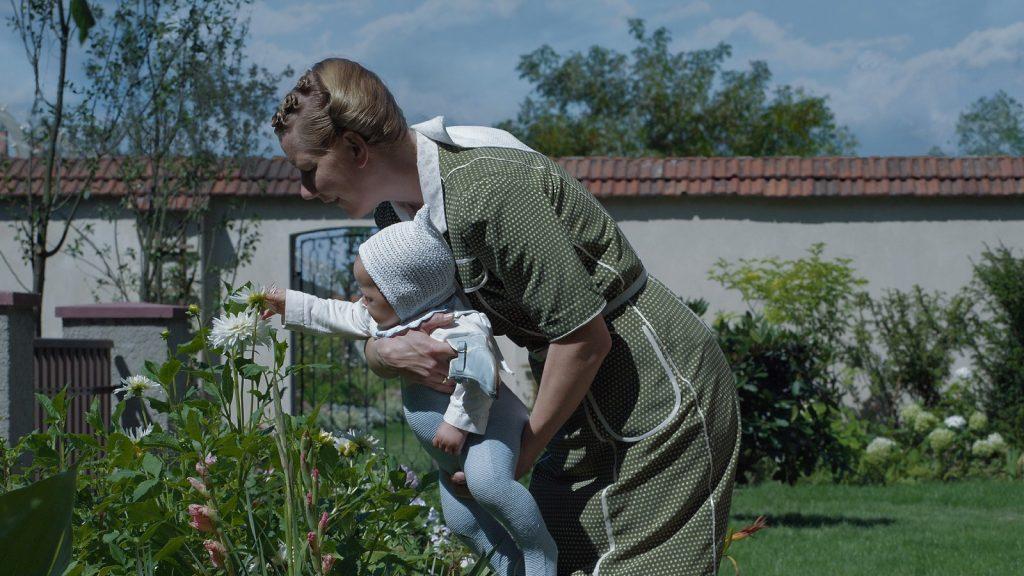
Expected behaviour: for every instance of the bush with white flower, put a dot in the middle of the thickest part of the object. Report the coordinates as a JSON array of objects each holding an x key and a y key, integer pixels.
[{"x": 220, "y": 480}]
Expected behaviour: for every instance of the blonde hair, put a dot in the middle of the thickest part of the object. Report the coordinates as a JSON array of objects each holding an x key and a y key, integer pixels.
[{"x": 341, "y": 95}]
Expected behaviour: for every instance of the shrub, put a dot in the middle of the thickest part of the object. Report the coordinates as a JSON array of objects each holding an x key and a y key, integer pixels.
[
  {"x": 813, "y": 297},
  {"x": 232, "y": 484},
  {"x": 904, "y": 343},
  {"x": 787, "y": 409},
  {"x": 998, "y": 345}
]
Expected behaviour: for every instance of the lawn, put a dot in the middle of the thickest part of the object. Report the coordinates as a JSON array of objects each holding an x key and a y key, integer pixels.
[{"x": 971, "y": 528}]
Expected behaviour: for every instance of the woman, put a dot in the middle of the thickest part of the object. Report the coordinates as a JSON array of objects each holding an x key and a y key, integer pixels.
[{"x": 636, "y": 405}]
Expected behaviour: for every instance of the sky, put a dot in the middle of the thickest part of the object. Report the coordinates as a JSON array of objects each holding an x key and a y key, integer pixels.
[{"x": 897, "y": 72}]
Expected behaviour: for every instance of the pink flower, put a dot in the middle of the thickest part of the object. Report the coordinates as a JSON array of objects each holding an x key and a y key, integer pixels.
[
  {"x": 198, "y": 486},
  {"x": 203, "y": 517},
  {"x": 210, "y": 459},
  {"x": 327, "y": 562},
  {"x": 311, "y": 538},
  {"x": 316, "y": 474},
  {"x": 217, "y": 552},
  {"x": 201, "y": 469},
  {"x": 323, "y": 523}
]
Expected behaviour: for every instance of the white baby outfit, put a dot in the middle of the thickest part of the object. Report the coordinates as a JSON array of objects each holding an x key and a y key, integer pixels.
[{"x": 418, "y": 279}]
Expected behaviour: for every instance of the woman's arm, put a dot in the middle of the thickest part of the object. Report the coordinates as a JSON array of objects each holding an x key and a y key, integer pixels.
[
  {"x": 414, "y": 356},
  {"x": 570, "y": 367}
]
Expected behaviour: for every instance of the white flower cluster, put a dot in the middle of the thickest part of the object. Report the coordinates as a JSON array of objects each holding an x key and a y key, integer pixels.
[
  {"x": 880, "y": 450},
  {"x": 978, "y": 422},
  {"x": 992, "y": 445},
  {"x": 440, "y": 535},
  {"x": 956, "y": 422},
  {"x": 252, "y": 297},
  {"x": 918, "y": 419},
  {"x": 137, "y": 434},
  {"x": 232, "y": 331},
  {"x": 136, "y": 387},
  {"x": 941, "y": 438}
]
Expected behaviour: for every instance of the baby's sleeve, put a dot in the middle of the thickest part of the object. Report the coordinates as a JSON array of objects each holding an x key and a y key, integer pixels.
[
  {"x": 307, "y": 313},
  {"x": 468, "y": 408}
]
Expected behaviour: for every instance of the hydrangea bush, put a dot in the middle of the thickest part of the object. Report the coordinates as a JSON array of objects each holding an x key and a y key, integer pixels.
[
  {"x": 926, "y": 446},
  {"x": 232, "y": 484}
]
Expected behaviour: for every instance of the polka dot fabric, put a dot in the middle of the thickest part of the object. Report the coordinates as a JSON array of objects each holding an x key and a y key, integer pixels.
[{"x": 640, "y": 479}]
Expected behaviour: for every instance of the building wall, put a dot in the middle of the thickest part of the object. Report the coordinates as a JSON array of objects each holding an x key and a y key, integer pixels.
[{"x": 893, "y": 242}]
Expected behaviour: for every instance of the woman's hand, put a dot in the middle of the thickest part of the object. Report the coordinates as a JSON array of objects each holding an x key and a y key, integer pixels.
[
  {"x": 415, "y": 356},
  {"x": 529, "y": 450}
]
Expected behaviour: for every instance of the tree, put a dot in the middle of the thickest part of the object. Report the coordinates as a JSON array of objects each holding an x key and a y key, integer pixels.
[
  {"x": 43, "y": 25},
  {"x": 661, "y": 103},
  {"x": 171, "y": 76},
  {"x": 992, "y": 127}
]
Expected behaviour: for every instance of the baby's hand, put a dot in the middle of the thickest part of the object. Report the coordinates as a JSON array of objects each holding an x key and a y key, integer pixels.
[
  {"x": 275, "y": 303},
  {"x": 449, "y": 439}
]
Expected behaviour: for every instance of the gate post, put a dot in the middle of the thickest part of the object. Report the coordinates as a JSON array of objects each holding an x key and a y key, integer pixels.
[
  {"x": 137, "y": 332},
  {"x": 17, "y": 334}
]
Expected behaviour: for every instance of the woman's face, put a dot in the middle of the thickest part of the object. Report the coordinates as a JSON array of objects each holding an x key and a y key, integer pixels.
[{"x": 337, "y": 177}]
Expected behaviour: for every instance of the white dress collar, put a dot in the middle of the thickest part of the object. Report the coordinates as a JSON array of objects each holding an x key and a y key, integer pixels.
[{"x": 428, "y": 134}]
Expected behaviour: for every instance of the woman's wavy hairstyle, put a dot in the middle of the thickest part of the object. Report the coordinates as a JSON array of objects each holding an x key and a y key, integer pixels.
[{"x": 339, "y": 95}]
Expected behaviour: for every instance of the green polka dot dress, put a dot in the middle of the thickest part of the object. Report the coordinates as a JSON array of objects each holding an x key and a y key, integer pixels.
[{"x": 640, "y": 478}]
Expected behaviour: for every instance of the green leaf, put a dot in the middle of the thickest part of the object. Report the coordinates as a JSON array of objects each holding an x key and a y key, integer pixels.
[
  {"x": 168, "y": 371},
  {"x": 172, "y": 546},
  {"x": 47, "y": 405},
  {"x": 253, "y": 371},
  {"x": 144, "y": 512},
  {"x": 194, "y": 345},
  {"x": 84, "y": 20},
  {"x": 152, "y": 465},
  {"x": 227, "y": 385},
  {"x": 37, "y": 519},
  {"x": 407, "y": 513},
  {"x": 144, "y": 489}
]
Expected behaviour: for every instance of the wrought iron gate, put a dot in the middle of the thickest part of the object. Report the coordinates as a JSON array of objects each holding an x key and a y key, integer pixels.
[{"x": 349, "y": 395}]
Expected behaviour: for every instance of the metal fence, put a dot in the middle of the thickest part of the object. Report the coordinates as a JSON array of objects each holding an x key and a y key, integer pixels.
[
  {"x": 81, "y": 365},
  {"x": 349, "y": 395}
]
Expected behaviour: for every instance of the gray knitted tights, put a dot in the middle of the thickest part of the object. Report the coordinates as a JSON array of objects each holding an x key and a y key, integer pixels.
[{"x": 502, "y": 513}]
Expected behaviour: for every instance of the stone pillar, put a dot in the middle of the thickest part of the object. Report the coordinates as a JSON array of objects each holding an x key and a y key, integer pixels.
[
  {"x": 136, "y": 330},
  {"x": 17, "y": 334}
]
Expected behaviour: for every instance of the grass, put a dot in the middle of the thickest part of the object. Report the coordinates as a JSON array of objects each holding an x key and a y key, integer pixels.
[{"x": 971, "y": 528}]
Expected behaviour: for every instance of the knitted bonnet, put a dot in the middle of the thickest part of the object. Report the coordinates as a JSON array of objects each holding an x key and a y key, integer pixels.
[{"x": 411, "y": 264}]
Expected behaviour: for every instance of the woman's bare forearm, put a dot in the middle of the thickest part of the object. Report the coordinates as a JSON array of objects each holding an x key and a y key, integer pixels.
[
  {"x": 374, "y": 362},
  {"x": 569, "y": 370}
]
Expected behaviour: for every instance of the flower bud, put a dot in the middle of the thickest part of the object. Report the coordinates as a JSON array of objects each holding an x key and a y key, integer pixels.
[
  {"x": 313, "y": 544},
  {"x": 203, "y": 517},
  {"x": 198, "y": 484},
  {"x": 327, "y": 563},
  {"x": 217, "y": 552},
  {"x": 323, "y": 522},
  {"x": 193, "y": 309}
]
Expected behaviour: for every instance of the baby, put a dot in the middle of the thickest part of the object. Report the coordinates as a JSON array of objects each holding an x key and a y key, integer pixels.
[{"x": 406, "y": 274}]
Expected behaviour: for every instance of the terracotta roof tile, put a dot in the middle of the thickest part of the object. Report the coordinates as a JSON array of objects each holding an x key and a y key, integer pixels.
[{"x": 609, "y": 177}]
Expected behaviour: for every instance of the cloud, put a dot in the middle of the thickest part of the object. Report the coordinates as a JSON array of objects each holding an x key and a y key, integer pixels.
[
  {"x": 896, "y": 103},
  {"x": 431, "y": 16},
  {"x": 782, "y": 49},
  {"x": 682, "y": 12},
  {"x": 278, "y": 19}
]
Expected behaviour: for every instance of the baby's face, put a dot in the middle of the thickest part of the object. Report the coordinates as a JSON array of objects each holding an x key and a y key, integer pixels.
[{"x": 380, "y": 310}]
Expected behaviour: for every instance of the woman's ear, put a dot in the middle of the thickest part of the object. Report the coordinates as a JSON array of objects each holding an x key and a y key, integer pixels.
[{"x": 354, "y": 145}]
